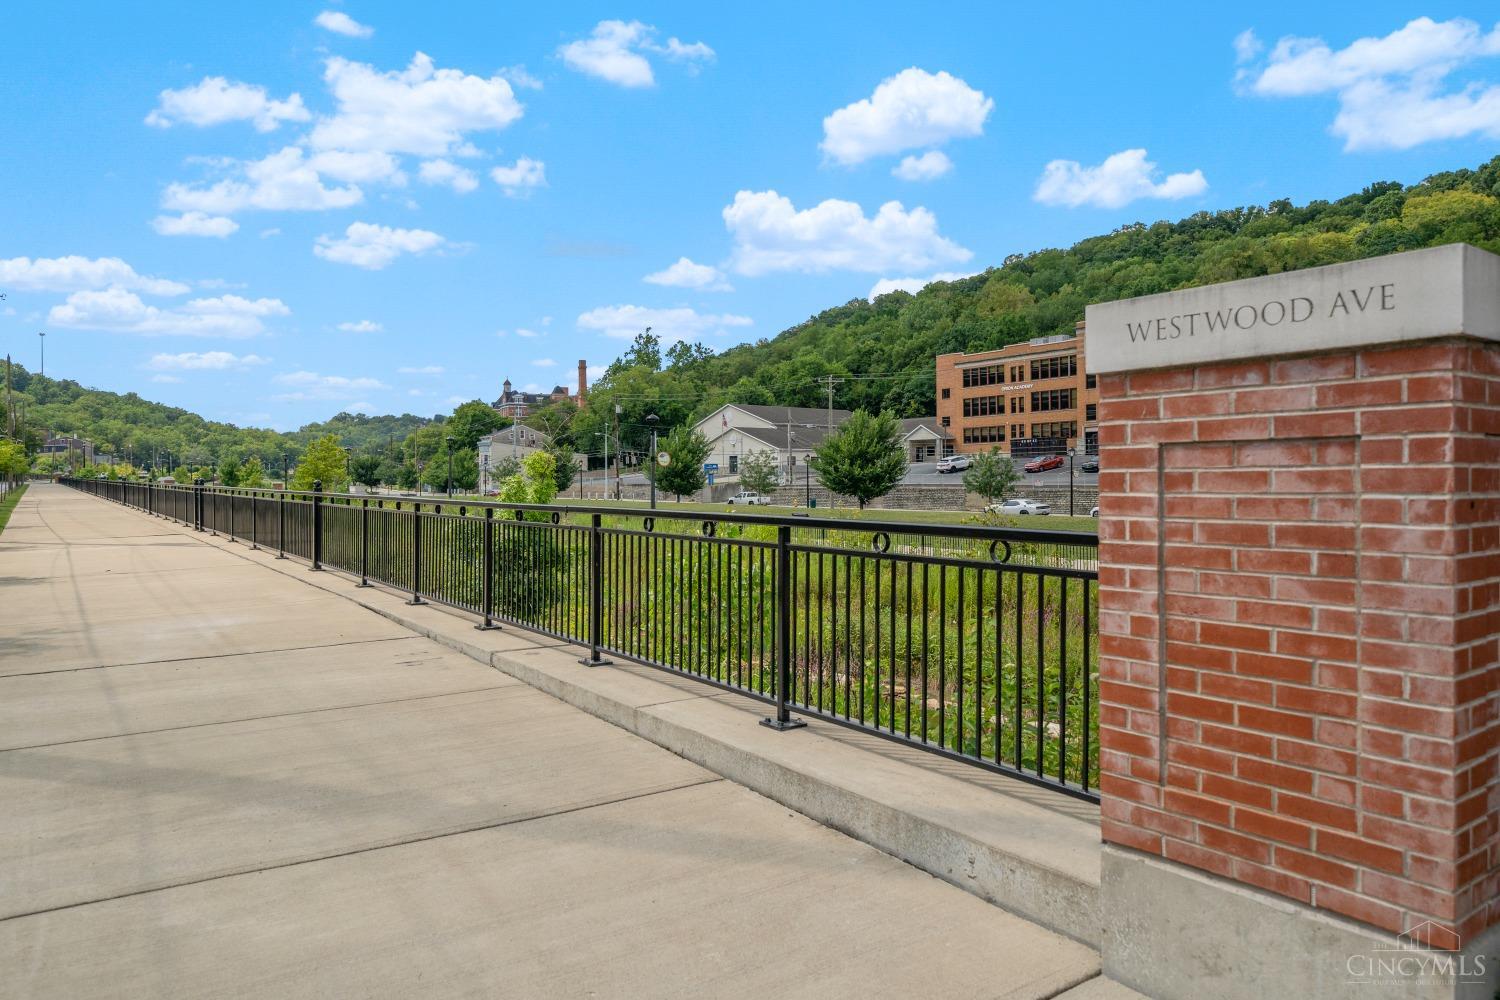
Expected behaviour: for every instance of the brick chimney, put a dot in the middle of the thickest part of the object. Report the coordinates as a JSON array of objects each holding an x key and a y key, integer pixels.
[{"x": 583, "y": 378}]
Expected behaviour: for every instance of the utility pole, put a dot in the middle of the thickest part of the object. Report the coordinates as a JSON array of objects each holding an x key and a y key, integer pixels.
[
  {"x": 43, "y": 335},
  {"x": 829, "y": 382}
]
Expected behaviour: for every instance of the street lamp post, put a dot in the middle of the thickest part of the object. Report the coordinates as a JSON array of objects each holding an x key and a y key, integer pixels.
[
  {"x": 651, "y": 419},
  {"x": 1070, "y": 480},
  {"x": 450, "y": 441},
  {"x": 605, "y": 436}
]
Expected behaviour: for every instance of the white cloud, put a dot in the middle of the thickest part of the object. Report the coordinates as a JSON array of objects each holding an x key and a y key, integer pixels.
[
  {"x": 73, "y": 274},
  {"x": 424, "y": 370},
  {"x": 1391, "y": 90},
  {"x": 305, "y": 385},
  {"x": 194, "y": 224},
  {"x": 671, "y": 325},
  {"x": 613, "y": 53},
  {"x": 342, "y": 24},
  {"x": 362, "y": 326},
  {"x": 283, "y": 181},
  {"x": 266, "y": 234},
  {"x": 448, "y": 173},
  {"x": 215, "y": 100},
  {"x": 545, "y": 363},
  {"x": 686, "y": 274},
  {"x": 913, "y": 285},
  {"x": 519, "y": 77},
  {"x": 365, "y": 167},
  {"x": 122, "y": 311},
  {"x": 521, "y": 176},
  {"x": 523, "y": 332},
  {"x": 373, "y": 247},
  {"x": 1246, "y": 46},
  {"x": 420, "y": 110},
  {"x": 771, "y": 235},
  {"x": 205, "y": 361},
  {"x": 1119, "y": 180},
  {"x": 910, "y": 110},
  {"x": 928, "y": 167}
]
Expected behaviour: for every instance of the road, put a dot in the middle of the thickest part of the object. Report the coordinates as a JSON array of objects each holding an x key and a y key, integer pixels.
[
  {"x": 917, "y": 474},
  {"x": 223, "y": 781}
]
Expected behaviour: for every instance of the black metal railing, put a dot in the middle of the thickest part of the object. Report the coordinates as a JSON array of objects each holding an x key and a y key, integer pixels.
[{"x": 973, "y": 642}]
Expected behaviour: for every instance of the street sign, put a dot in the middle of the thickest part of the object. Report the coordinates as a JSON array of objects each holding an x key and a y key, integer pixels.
[
  {"x": 710, "y": 466},
  {"x": 663, "y": 458}
]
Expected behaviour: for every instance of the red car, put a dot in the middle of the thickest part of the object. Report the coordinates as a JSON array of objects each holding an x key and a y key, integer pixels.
[{"x": 1043, "y": 464}]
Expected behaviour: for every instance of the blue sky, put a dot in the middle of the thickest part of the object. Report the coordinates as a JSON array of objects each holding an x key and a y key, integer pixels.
[{"x": 268, "y": 213}]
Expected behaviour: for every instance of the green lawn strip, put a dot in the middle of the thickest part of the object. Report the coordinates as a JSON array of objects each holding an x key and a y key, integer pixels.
[
  {"x": 665, "y": 508},
  {"x": 8, "y": 504}
]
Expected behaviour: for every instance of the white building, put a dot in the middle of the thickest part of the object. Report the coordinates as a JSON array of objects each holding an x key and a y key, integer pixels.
[
  {"x": 516, "y": 441},
  {"x": 792, "y": 433}
]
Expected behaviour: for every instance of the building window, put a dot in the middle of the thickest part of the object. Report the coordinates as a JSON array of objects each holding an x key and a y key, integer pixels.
[
  {"x": 983, "y": 406},
  {"x": 946, "y": 393},
  {"x": 1090, "y": 382},
  {"x": 1090, "y": 412},
  {"x": 945, "y": 421},
  {"x": 1018, "y": 404},
  {"x": 1056, "y": 429},
  {"x": 1017, "y": 430},
  {"x": 990, "y": 434},
  {"x": 983, "y": 375},
  {"x": 1017, "y": 373},
  {"x": 1054, "y": 399},
  {"x": 1060, "y": 367}
]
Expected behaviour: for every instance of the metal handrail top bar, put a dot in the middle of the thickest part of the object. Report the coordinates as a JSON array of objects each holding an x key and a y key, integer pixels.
[{"x": 980, "y": 531}]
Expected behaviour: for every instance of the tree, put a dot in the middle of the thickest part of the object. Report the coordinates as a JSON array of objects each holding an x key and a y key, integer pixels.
[
  {"x": 465, "y": 471},
  {"x": 565, "y": 468},
  {"x": 13, "y": 463},
  {"x": 470, "y": 422},
  {"x": 322, "y": 461},
  {"x": 758, "y": 471},
  {"x": 863, "y": 458},
  {"x": 535, "y": 483},
  {"x": 229, "y": 472},
  {"x": 252, "y": 473},
  {"x": 991, "y": 476},
  {"x": 684, "y": 474},
  {"x": 365, "y": 469}
]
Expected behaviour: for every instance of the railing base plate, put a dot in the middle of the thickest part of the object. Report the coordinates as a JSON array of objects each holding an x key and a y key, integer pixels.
[
  {"x": 780, "y": 726},
  {"x": 415, "y": 601},
  {"x": 601, "y": 662},
  {"x": 491, "y": 627}
]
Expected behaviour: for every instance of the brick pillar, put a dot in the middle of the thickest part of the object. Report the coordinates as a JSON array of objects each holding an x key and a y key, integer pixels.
[{"x": 1299, "y": 610}]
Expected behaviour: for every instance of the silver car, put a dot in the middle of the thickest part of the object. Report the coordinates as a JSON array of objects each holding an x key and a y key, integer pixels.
[{"x": 1019, "y": 506}]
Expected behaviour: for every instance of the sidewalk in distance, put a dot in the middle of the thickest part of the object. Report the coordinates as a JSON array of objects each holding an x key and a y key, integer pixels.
[{"x": 201, "y": 801}]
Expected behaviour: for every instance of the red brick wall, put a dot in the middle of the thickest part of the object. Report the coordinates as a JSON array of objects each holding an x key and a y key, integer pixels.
[{"x": 1321, "y": 538}]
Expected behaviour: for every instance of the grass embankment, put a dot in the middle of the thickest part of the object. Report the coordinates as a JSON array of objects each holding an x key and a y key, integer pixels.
[
  {"x": 666, "y": 506},
  {"x": 8, "y": 503}
]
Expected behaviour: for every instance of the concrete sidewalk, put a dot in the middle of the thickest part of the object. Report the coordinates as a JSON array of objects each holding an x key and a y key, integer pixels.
[{"x": 218, "y": 781}]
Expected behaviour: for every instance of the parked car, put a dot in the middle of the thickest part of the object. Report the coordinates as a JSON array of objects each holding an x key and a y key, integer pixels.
[
  {"x": 1019, "y": 506},
  {"x": 1044, "y": 463},
  {"x": 1093, "y": 512},
  {"x": 1089, "y": 465},
  {"x": 749, "y": 498},
  {"x": 954, "y": 463}
]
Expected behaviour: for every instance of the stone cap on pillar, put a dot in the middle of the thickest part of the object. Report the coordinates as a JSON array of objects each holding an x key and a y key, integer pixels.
[{"x": 1451, "y": 290}]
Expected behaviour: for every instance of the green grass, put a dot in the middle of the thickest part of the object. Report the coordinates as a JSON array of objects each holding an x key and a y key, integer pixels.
[{"x": 8, "y": 504}]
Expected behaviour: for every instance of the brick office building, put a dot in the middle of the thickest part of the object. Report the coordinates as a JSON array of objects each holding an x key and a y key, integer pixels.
[{"x": 1028, "y": 399}]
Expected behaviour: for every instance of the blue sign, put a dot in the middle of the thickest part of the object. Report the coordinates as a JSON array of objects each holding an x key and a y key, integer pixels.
[{"x": 710, "y": 466}]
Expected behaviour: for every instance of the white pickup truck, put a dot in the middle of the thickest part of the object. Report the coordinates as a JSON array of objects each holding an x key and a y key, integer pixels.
[{"x": 748, "y": 498}]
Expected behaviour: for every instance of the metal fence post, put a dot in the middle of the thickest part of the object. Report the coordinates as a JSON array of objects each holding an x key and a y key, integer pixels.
[
  {"x": 197, "y": 505},
  {"x": 596, "y": 594},
  {"x": 487, "y": 567},
  {"x": 317, "y": 525},
  {"x": 364, "y": 543},
  {"x": 231, "y": 516},
  {"x": 280, "y": 525},
  {"x": 416, "y": 555},
  {"x": 783, "y": 719},
  {"x": 254, "y": 522}
]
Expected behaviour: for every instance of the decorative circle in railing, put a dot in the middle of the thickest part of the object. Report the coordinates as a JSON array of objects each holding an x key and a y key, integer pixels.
[
  {"x": 709, "y": 528},
  {"x": 520, "y": 515},
  {"x": 648, "y": 524},
  {"x": 997, "y": 557},
  {"x": 881, "y": 542},
  {"x": 437, "y": 509},
  {"x": 398, "y": 504},
  {"x": 463, "y": 511},
  {"x": 557, "y": 517}
]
